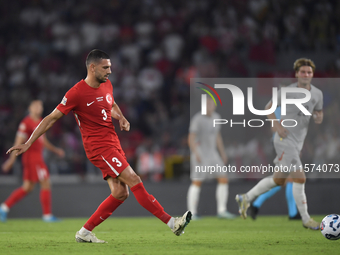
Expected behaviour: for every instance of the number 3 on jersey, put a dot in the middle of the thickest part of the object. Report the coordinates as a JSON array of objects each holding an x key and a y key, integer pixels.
[
  {"x": 115, "y": 160},
  {"x": 105, "y": 115}
]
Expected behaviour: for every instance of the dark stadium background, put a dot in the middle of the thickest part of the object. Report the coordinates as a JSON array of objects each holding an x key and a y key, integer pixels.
[{"x": 155, "y": 48}]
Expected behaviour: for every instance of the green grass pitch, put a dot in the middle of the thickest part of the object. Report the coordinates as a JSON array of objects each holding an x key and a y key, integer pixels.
[{"x": 266, "y": 235}]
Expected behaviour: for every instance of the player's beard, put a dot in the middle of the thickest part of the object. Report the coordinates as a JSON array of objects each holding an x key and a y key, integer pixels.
[{"x": 102, "y": 79}]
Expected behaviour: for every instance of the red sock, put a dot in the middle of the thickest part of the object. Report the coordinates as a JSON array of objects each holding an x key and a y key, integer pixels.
[
  {"x": 104, "y": 210},
  {"x": 45, "y": 200},
  {"x": 15, "y": 197},
  {"x": 149, "y": 202}
]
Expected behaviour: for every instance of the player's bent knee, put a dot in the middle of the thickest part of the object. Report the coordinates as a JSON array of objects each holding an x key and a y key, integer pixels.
[
  {"x": 197, "y": 183},
  {"x": 120, "y": 192},
  {"x": 45, "y": 184},
  {"x": 121, "y": 196},
  {"x": 299, "y": 180},
  {"x": 28, "y": 187},
  {"x": 280, "y": 181},
  {"x": 134, "y": 179},
  {"x": 137, "y": 179},
  {"x": 222, "y": 180},
  {"x": 129, "y": 177}
]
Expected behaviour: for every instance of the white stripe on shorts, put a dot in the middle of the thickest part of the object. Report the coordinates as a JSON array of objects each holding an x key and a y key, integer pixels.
[{"x": 114, "y": 170}]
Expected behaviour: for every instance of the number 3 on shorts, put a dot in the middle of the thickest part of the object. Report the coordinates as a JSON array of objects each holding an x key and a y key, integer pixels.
[{"x": 115, "y": 160}]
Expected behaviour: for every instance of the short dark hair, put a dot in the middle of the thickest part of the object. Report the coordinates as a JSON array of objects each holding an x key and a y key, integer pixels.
[
  {"x": 303, "y": 62},
  {"x": 96, "y": 55}
]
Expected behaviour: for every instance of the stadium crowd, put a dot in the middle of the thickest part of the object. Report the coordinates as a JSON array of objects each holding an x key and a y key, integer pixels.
[{"x": 155, "y": 48}]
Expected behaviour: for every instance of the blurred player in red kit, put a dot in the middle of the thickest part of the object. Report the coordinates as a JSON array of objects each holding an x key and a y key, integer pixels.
[
  {"x": 93, "y": 106},
  {"x": 34, "y": 167}
]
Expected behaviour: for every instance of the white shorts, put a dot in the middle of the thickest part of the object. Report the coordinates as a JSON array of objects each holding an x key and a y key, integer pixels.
[
  {"x": 210, "y": 167},
  {"x": 287, "y": 156}
]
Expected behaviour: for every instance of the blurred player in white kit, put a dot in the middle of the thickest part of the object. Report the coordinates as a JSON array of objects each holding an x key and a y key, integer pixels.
[
  {"x": 288, "y": 142},
  {"x": 207, "y": 149}
]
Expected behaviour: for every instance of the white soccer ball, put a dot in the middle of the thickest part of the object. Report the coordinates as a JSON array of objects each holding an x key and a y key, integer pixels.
[{"x": 330, "y": 227}]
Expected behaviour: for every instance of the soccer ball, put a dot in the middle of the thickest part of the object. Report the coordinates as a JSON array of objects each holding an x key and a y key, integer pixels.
[{"x": 330, "y": 227}]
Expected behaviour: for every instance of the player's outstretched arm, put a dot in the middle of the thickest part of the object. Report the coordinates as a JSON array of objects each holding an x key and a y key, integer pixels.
[
  {"x": 44, "y": 125},
  {"x": 117, "y": 114},
  {"x": 7, "y": 165},
  {"x": 59, "y": 151}
]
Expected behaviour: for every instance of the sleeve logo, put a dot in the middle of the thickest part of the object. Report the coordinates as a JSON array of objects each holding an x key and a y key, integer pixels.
[
  {"x": 63, "y": 102},
  {"x": 22, "y": 127}
]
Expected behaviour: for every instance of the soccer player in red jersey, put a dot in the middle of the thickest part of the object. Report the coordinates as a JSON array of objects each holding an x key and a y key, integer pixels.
[
  {"x": 93, "y": 106},
  {"x": 34, "y": 167}
]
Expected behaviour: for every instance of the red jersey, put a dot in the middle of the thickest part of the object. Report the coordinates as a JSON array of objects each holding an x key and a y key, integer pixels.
[
  {"x": 92, "y": 110},
  {"x": 26, "y": 128}
]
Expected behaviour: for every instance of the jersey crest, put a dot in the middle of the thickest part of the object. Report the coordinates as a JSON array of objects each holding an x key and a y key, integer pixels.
[{"x": 109, "y": 98}]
